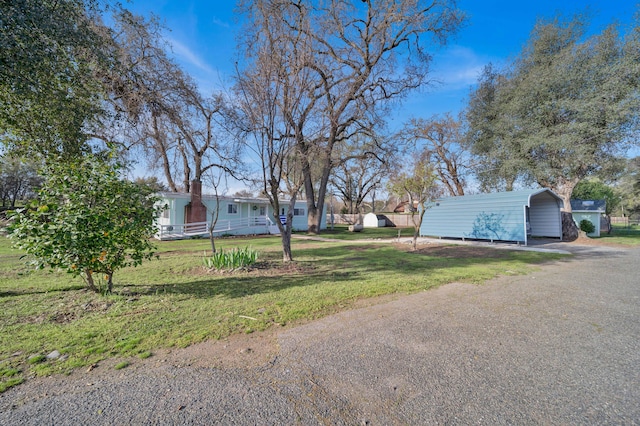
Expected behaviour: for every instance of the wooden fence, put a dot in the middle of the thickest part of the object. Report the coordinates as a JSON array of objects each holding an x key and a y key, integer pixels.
[
  {"x": 624, "y": 221},
  {"x": 392, "y": 219}
]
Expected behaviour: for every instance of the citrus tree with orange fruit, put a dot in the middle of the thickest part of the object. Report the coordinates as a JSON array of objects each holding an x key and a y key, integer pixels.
[{"x": 88, "y": 221}]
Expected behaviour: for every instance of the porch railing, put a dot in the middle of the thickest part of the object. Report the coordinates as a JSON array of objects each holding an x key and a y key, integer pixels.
[{"x": 202, "y": 228}]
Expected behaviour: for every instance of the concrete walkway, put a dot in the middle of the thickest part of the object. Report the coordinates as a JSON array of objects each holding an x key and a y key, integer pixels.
[{"x": 558, "y": 346}]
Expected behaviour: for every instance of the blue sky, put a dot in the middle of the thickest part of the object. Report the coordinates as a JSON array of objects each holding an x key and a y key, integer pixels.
[{"x": 202, "y": 33}]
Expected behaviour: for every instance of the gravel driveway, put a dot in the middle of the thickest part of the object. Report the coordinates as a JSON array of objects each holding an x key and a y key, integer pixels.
[{"x": 558, "y": 346}]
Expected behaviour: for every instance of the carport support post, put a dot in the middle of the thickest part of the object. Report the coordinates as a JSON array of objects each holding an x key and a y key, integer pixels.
[{"x": 524, "y": 208}]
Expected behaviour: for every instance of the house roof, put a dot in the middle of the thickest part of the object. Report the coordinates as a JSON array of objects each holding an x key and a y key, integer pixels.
[
  {"x": 402, "y": 206},
  {"x": 243, "y": 200},
  {"x": 578, "y": 205}
]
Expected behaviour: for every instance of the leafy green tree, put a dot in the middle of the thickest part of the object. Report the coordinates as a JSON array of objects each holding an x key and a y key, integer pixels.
[
  {"x": 18, "y": 180},
  {"x": 50, "y": 51},
  {"x": 562, "y": 111},
  {"x": 628, "y": 188},
  {"x": 595, "y": 189},
  {"x": 87, "y": 221}
]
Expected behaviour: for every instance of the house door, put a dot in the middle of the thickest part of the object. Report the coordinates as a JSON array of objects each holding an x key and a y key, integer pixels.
[{"x": 259, "y": 214}]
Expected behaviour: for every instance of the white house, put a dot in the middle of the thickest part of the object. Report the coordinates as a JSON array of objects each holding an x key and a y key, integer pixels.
[{"x": 189, "y": 214}]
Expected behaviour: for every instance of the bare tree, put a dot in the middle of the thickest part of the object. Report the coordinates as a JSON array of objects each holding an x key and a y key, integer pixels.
[
  {"x": 215, "y": 181},
  {"x": 356, "y": 179},
  {"x": 271, "y": 93},
  {"x": 243, "y": 193},
  {"x": 443, "y": 145},
  {"x": 419, "y": 183},
  {"x": 358, "y": 58},
  {"x": 183, "y": 132}
]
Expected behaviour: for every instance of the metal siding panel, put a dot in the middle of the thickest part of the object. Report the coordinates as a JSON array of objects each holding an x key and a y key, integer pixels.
[
  {"x": 544, "y": 216},
  {"x": 593, "y": 217},
  {"x": 497, "y": 216}
]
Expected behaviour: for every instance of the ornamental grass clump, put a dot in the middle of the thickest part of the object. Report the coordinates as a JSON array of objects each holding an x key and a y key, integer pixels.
[{"x": 235, "y": 258}]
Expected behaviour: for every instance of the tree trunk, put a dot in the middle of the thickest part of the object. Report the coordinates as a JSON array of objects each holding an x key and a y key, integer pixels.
[
  {"x": 287, "y": 256},
  {"x": 312, "y": 208},
  {"x": 416, "y": 225},
  {"x": 315, "y": 209},
  {"x": 565, "y": 194},
  {"x": 212, "y": 240},
  {"x": 312, "y": 217},
  {"x": 570, "y": 231},
  {"x": 214, "y": 220},
  {"x": 285, "y": 232},
  {"x": 88, "y": 278}
]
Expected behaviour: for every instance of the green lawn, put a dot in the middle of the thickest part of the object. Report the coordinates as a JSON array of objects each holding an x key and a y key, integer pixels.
[
  {"x": 173, "y": 302},
  {"x": 629, "y": 235},
  {"x": 341, "y": 232}
]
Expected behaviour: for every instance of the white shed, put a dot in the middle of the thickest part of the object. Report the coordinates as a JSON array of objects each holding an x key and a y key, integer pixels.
[
  {"x": 591, "y": 210},
  {"x": 371, "y": 220}
]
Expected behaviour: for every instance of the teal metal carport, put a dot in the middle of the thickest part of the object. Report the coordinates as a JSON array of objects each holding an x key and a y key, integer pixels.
[{"x": 500, "y": 216}]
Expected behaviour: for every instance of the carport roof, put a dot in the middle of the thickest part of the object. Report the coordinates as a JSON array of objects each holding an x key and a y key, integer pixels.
[
  {"x": 521, "y": 197},
  {"x": 498, "y": 216}
]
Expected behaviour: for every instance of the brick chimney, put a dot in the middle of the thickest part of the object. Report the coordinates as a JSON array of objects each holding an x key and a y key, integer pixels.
[{"x": 196, "y": 211}]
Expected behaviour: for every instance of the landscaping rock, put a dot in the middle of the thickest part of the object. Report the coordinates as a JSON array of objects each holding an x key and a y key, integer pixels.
[{"x": 54, "y": 355}]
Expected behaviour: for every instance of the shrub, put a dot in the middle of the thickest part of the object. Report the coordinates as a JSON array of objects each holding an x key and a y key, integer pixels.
[
  {"x": 87, "y": 221},
  {"x": 231, "y": 259},
  {"x": 587, "y": 226}
]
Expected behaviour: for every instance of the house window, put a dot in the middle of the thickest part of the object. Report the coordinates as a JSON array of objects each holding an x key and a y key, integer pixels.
[
  {"x": 298, "y": 212},
  {"x": 232, "y": 208},
  {"x": 166, "y": 214},
  {"x": 263, "y": 211}
]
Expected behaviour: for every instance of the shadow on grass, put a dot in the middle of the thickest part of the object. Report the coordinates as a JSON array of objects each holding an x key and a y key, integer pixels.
[
  {"x": 339, "y": 263},
  {"x": 237, "y": 286},
  {"x": 344, "y": 263},
  {"x": 28, "y": 291}
]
